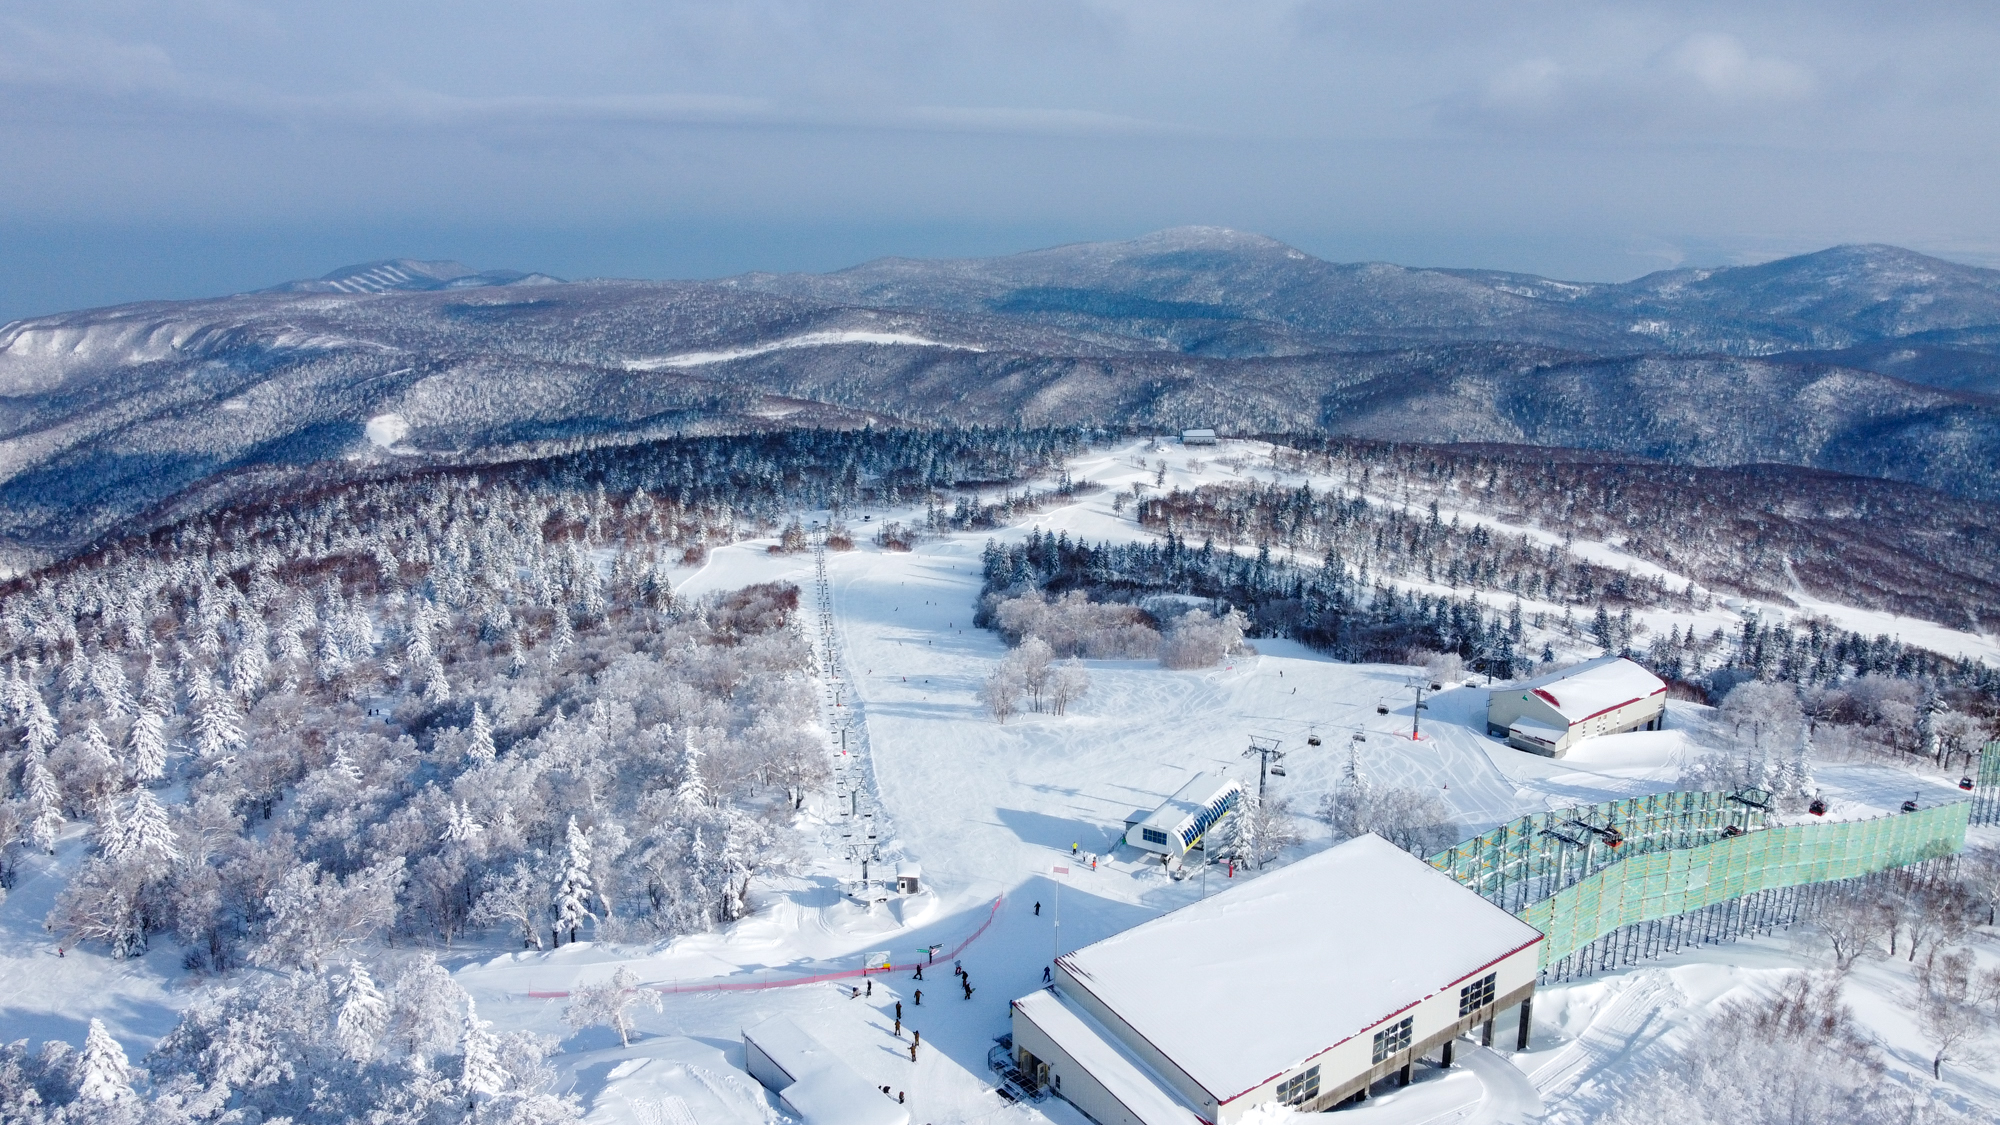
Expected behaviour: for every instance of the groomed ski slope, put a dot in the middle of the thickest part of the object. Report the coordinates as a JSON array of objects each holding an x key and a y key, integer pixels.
[{"x": 988, "y": 810}]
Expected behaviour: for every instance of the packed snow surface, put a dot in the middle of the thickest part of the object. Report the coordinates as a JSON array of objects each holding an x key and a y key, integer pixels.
[
  {"x": 1251, "y": 982},
  {"x": 988, "y": 809},
  {"x": 385, "y": 430},
  {"x": 804, "y": 340}
]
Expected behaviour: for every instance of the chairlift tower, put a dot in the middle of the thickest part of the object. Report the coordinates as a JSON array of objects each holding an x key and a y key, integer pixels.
[
  {"x": 1417, "y": 712},
  {"x": 1269, "y": 760}
]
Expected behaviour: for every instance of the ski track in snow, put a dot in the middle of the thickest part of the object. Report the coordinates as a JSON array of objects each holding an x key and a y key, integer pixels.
[{"x": 987, "y": 809}]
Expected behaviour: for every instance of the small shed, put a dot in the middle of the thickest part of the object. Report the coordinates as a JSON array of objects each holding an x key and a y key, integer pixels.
[
  {"x": 909, "y": 878},
  {"x": 1180, "y": 825},
  {"x": 1197, "y": 437}
]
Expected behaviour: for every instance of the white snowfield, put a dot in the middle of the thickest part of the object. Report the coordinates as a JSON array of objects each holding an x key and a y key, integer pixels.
[
  {"x": 804, "y": 340},
  {"x": 988, "y": 810}
]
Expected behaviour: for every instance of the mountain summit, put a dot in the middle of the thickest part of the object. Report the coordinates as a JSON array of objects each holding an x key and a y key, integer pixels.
[{"x": 409, "y": 275}]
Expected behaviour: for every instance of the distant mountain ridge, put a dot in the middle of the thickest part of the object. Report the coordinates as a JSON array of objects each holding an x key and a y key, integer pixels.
[
  {"x": 1861, "y": 359},
  {"x": 409, "y": 275}
]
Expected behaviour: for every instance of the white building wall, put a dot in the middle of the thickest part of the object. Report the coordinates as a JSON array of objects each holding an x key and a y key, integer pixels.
[
  {"x": 1433, "y": 1015},
  {"x": 1070, "y": 1078}
]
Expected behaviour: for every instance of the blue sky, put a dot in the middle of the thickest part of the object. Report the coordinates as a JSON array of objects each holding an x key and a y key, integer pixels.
[{"x": 168, "y": 149}]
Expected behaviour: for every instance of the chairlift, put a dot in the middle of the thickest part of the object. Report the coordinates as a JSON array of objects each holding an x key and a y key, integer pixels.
[
  {"x": 1818, "y": 807},
  {"x": 1910, "y": 805},
  {"x": 1435, "y": 686},
  {"x": 1277, "y": 771},
  {"x": 1381, "y": 708},
  {"x": 1312, "y": 739},
  {"x": 1965, "y": 783},
  {"x": 1732, "y": 831}
]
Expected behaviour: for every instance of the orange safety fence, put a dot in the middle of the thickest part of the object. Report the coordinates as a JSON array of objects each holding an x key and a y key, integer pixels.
[{"x": 815, "y": 978}]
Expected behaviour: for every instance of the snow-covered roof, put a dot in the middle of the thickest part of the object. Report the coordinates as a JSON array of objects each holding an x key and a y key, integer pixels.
[
  {"x": 1593, "y": 687},
  {"x": 1127, "y": 1079},
  {"x": 824, "y": 1090},
  {"x": 1195, "y": 803},
  {"x": 1247, "y": 984}
]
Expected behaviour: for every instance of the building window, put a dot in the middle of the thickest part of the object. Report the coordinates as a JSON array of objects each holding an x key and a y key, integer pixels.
[
  {"x": 1476, "y": 995},
  {"x": 1300, "y": 1088},
  {"x": 1394, "y": 1038},
  {"x": 1153, "y": 836}
]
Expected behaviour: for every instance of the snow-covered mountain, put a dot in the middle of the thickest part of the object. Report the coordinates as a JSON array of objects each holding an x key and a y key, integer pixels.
[{"x": 106, "y": 414}]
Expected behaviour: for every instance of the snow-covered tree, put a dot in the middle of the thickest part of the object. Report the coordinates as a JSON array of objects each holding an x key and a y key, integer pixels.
[
  {"x": 479, "y": 738},
  {"x": 609, "y": 1003},
  {"x": 461, "y": 827},
  {"x": 147, "y": 837},
  {"x": 574, "y": 889},
  {"x": 363, "y": 1015},
  {"x": 518, "y": 898},
  {"x": 1001, "y": 691},
  {"x": 424, "y": 1010},
  {"x": 1069, "y": 682},
  {"x": 103, "y": 1073},
  {"x": 480, "y": 1072},
  {"x": 44, "y": 803},
  {"x": 313, "y": 914},
  {"x": 217, "y": 728},
  {"x": 146, "y": 746}
]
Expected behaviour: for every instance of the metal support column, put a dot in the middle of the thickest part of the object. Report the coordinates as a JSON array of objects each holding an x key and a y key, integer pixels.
[
  {"x": 1527, "y": 1024},
  {"x": 1444, "y": 1059},
  {"x": 1486, "y": 1034}
]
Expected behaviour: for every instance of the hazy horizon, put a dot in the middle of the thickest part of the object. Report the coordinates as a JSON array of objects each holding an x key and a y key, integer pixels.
[{"x": 199, "y": 147}]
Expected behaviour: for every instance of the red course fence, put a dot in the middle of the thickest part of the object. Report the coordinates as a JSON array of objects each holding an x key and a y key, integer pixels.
[{"x": 815, "y": 978}]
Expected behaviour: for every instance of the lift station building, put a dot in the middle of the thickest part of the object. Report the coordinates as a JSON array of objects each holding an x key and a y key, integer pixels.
[
  {"x": 1184, "y": 821},
  {"x": 1301, "y": 987},
  {"x": 1551, "y": 713}
]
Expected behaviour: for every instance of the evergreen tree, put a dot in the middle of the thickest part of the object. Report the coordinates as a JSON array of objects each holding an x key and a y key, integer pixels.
[
  {"x": 103, "y": 1073},
  {"x": 218, "y": 729},
  {"x": 479, "y": 738},
  {"x": 146, "y": 746},
  {"x": 574, "y": 889},
  {"x": 364, "y": 1014},
  {"x": 481, "y": 1074}
]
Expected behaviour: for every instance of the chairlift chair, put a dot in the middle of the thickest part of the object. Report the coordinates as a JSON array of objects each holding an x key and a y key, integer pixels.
[
  {"x": 1436, "y": 686},
  {"x": 1277, "y": 771},
  {"x": 1965, "y": 783},
  {"x": 1910, "y": 805},
  {"x": 1818, "y": 807},
  {"x": 1381, "y": 708}
]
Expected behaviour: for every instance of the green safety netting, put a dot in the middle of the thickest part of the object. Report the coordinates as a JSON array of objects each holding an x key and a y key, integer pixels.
[{"x": 1579, "y": 874}]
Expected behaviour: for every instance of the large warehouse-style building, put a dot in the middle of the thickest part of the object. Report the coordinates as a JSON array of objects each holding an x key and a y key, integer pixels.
[
  {"x": 1300, "y": 987},
  {"x": 1551, "y": 713}
]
